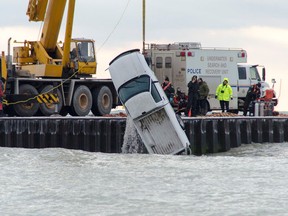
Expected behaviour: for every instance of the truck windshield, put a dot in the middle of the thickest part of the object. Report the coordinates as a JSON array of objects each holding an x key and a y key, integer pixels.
[
  {"x": 134, "y": 87},
  {"x": 254, "y": 74}
]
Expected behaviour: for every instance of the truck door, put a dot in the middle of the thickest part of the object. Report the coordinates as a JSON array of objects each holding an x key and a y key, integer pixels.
[
  {"x": 243, "y": 82},
  {"x": 163, "y": 66},
  {"x": 247, "y": 76}
]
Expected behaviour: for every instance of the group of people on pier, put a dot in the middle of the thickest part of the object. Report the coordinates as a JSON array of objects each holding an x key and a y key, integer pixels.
[{"x": 195, "y": 103}]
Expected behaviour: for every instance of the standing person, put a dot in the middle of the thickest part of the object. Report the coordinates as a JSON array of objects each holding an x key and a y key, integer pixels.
[
  {"x": 2, "y": 80},
  {"x": 224, "y": 93},
  {"x": 193, "y": 96},
  {"x": 252, "y": 94},
  {"x": 168, "y": 89},
  {"x": 203, "y": 93}
]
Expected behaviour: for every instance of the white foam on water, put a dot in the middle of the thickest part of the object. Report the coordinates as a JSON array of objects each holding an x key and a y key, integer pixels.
[{"x": 132, "y": 142}]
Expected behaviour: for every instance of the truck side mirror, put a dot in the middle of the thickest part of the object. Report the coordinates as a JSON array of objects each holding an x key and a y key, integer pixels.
[{"x": 263, "y": 74}]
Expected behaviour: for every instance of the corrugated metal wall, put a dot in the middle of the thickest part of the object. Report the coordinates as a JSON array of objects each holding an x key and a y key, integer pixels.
[
  {"x": 98, "y": 134},
  {"x": 212, "y": 135},
  {"x": 88, "y": 134}
]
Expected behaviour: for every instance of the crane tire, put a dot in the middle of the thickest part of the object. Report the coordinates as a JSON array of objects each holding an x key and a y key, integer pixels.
[
  {"x": 81, "y": 101},
  {"x": 48, "y": 109},
  {"x": 29, "y": 108},
  {"x": 102, "y": 101}
]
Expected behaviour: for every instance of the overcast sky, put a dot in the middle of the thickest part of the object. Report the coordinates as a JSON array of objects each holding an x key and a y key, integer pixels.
[{"x": 258, "y": 26}]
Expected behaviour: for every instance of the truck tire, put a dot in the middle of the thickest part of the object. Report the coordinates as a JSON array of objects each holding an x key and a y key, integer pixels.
[
  {"x": 81, "y": 102},
  {"x": 102, "y": 101},
  {"x": 29, "y": 108},
  {"x": 48, "y": 109}
]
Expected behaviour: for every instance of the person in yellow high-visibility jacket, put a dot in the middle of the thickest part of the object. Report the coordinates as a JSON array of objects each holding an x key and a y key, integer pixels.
[{"x": 224, "y": 94}]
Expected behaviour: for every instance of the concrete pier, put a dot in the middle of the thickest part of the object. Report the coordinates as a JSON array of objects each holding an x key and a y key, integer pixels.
[{"x": 105, "y": 134}]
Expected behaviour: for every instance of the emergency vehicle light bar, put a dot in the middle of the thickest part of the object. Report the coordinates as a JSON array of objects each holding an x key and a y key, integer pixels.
[{"x": 241, "y": 55}]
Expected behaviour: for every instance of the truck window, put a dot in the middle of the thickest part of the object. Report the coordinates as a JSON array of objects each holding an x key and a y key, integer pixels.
[
  {"x": 168, "y": 62},
  {"x": 242, "y": 73},
  {"x": 254, "y": 74},
  {"x": 134, "y": 87},
  {"x": 155, "y": 94},
  {"x": 159, "y": 62}
]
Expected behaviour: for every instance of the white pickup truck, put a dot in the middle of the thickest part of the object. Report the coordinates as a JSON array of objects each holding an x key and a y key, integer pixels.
[{"x": 145, "y": 101}]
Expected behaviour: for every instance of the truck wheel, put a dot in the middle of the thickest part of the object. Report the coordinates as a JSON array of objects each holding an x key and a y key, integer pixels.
[
  {"x": 28, "y": 108},
  {"x": 81, "y": 102},
  {"x": 48, "y": 109},
  {"x": 102, "y": 101}
]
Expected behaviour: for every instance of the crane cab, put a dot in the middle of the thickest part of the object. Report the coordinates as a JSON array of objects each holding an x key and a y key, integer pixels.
[{"x": 82, "y": 56}]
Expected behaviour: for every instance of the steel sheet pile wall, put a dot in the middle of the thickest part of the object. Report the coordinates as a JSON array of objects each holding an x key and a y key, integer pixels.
[
  {"x": 98, "y": 134},
  {"x": 212, "y": 135},
  {"x": 88, "y": 134}
]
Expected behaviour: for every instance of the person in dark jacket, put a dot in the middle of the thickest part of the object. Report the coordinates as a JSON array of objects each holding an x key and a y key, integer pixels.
[
  {"x": 252, "y": 94},
  {"x": 203, "y": 93},
  {"x": 168, "y": 89},
  {"x": 193, "y": 96}
]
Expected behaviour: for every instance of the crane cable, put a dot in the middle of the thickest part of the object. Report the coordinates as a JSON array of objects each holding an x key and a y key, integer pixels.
[{"x": 113, "y": 30}]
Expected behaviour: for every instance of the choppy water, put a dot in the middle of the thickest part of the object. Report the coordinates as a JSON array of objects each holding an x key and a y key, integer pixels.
[{"x": 250, "y": 180}]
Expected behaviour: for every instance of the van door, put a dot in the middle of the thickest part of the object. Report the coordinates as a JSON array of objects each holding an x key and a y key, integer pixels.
[{"x": 163, "y": 66}]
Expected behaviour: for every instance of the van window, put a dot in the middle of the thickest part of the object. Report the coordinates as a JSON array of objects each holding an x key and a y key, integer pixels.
[
  {"x": 254, "y": 74},
  {"x": 134, "y": 87},
  {"x": 159, "y": 62},
  {"x": 168, "y": 61},
  {"x": 242, "y": 73}
]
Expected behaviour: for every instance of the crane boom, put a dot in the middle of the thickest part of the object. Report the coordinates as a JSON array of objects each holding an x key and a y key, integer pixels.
[
  {"x": 36, "y": 10},
  {"x": 52, "y": 17},
  {"x": 52, "y": 24}
]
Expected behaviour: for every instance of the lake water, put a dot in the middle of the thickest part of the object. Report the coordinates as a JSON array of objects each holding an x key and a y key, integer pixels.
[{"x": 249, "y": 180}]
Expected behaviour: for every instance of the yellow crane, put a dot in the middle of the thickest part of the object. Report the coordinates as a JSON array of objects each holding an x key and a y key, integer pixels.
[{"x": 46, "y": 67}]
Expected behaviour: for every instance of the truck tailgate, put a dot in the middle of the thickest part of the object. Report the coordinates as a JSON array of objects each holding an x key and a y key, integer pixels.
[{"x": 158, "y": 133}]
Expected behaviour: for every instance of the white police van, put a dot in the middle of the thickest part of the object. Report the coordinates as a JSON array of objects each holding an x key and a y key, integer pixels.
[{"x": 145, "y": 101}]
